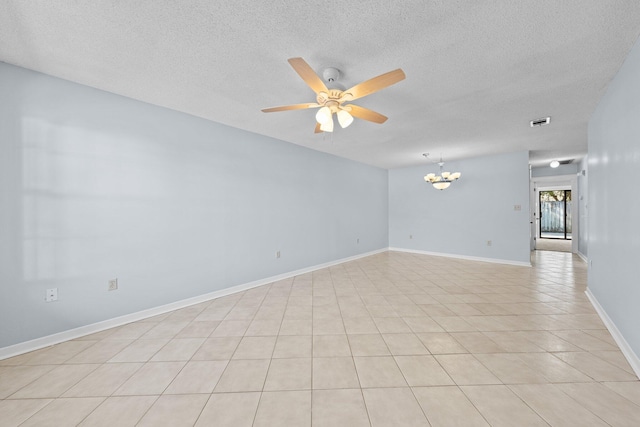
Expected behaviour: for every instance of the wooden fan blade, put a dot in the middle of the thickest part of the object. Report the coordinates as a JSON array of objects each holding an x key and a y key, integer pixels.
[
  {"x": 375, "y": 84},
  {"x": 292, "y": 107},
  {"x": 317, "y": 130},
  {"x": 366, "y": 114},
  {"x": 308, "y": 75}
]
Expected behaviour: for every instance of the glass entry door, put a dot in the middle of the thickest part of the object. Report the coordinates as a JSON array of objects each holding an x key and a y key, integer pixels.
[{"x": 555, "y": 214}]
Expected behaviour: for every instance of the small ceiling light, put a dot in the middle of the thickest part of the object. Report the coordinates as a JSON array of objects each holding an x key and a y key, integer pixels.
[
  {"x": 442, "y": 181},
  {"x": 344, "y": 118},
  {"x": 554, "y": 164},
  {"x": 324, "y": 115}
]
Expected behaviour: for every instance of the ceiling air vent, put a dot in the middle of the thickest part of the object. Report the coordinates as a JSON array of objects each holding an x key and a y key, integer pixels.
[{"x": 540, "y": 122}]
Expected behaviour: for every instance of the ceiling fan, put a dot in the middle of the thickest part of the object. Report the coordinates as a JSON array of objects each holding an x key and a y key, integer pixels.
[{"x": 332, "y": 101}]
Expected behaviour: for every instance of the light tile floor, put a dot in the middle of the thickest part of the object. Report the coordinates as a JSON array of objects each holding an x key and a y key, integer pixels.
[{"x": 392, "y": 339}]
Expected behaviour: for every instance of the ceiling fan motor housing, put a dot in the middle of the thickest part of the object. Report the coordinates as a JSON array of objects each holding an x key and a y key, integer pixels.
[{"x": 333, "y": 99}]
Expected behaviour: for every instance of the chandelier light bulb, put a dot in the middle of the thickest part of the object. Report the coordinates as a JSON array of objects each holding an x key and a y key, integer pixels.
[{"x": 441, "y": 185}]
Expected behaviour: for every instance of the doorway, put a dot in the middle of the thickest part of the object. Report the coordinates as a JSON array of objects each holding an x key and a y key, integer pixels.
[
  {"x": 555, "y": 214},
  {"x": 557, "y": 185}
]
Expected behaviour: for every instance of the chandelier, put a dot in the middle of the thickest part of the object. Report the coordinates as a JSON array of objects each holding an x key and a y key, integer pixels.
[{"x": 442, "y": 181}]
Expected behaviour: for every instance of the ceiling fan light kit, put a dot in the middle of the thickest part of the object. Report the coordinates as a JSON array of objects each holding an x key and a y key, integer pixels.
[
  {"x": 323, "y": 115},
  {"x": 330, "y": 101},
  {"x": 327, "y": 126},
  {"x": 442, "y": 181},
  {"x": 344, "y": 118}
]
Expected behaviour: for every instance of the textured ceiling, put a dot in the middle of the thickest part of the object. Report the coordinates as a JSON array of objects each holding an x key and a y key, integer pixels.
[{"x": 477, "y": 71}]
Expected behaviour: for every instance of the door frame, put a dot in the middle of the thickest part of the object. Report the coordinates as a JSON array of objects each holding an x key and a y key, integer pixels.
[
  {"x": 558, "y": 182},
  {"x": 564, "y": 200}
]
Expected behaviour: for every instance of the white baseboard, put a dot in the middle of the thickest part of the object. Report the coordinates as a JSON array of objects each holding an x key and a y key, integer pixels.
[
  {"x": 583, "y": 257},
  {"x": 625, "y": 348},
  {"x": 49, "y": 340},
  {"x": 465, "y": 257}
]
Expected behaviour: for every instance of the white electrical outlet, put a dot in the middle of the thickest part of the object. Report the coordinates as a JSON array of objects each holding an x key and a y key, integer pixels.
[
  {"x": 410, "y": 236},
  {"x": 113, "y": 285},
  {"x": 517, "y": 207},
  {"x": 489, "y": 242},
  {"x": 277, "y": 254},
  {"x": 51, "y": 295}
]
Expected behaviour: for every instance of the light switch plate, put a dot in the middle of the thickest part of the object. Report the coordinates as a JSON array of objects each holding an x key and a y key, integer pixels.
[{"x": 51, "y": 295}]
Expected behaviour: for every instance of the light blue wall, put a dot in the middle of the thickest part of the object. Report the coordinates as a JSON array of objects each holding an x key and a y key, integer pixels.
[
  {"x": 476, "y": 208},
  {"x": 96, "y": 186},
  {"x": 614, "y": 200}
]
